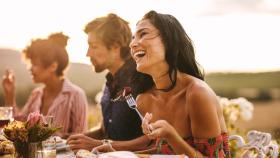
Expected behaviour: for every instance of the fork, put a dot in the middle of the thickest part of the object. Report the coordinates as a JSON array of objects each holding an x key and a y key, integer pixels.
[{"x": 132, "y": 104}]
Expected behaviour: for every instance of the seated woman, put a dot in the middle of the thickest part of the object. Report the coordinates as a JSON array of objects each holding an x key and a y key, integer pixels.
[
  {"x": 58, "y": 97},
  {"x": 182, "y": 111}
]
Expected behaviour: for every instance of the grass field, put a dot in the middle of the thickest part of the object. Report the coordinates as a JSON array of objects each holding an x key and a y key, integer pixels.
[
  {"x": 266, "y": 117},
  {"x": 254, "y": 86},
  {"x": 233, "y": 81}
]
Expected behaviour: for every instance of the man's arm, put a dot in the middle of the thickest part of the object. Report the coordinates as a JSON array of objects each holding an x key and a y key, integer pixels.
[
  {"x": 80, "y": 141},
  {"x": 97, "y": 133}
]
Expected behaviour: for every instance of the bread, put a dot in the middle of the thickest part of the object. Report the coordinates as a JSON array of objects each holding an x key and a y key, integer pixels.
[
  {"x": 85, "y": 154},
  {"x": 7, "y": 156},
  {"x": 7, "y": 147},
  {"x": 2, "y": 138},
  {"x": 118, "y": 154}
]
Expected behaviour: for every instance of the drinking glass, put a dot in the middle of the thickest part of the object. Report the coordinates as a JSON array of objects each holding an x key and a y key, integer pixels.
[
  {"x": 6, "y": 115},
  {"x": 46, "y": 154},
  {"x": 48, "y": 151}
]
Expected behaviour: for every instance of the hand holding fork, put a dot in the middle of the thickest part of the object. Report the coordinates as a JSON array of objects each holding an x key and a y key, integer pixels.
[{"x": 133, "y": 105}]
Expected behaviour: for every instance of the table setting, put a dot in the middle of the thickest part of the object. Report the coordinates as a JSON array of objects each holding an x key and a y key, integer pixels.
[
  {"x": 27, "y": 139},
  {"x": 34, "y": 139}
]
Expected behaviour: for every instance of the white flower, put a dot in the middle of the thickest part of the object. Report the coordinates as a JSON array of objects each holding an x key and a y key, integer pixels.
[
  {"x": 233, "y": 114},
  {"x": 235, "y": 108},
  {"x": 246, "y": 115},
  {"x": 223, "y": 101},
  {"x": 246, "y": 108}
]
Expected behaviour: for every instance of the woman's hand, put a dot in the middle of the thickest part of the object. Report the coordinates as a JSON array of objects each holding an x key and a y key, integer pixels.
[
  {"x": 8, "y": 83},
  {"x": 158, "y": 129},
  {"x": 146, "y": 128}
]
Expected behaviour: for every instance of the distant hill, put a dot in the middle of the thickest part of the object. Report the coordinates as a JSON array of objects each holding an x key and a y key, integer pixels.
[
  {"x": 80, "y": 74},
  {"x": 261, "y": 80},
  {"x": 258, "y": 86}
]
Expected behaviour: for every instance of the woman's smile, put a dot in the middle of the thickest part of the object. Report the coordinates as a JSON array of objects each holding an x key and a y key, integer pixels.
[{"x": 139, "y": 55}]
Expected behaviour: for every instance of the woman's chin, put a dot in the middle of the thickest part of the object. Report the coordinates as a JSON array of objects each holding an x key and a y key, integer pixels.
[{"x": 141, "y": 69}]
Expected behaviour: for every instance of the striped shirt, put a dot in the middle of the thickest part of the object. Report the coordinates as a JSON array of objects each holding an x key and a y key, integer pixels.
[{"x": 69, "y": 108}]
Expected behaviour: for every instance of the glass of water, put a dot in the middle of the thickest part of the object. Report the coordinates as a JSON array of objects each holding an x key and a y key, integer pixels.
[
  {"x": 46, "y": 154},
  {"x": 48, "y": 151}
]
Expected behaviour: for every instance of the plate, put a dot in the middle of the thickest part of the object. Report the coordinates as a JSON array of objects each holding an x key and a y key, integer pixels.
[
  {"x": 61, "y": 143},
  {"x": 62, "y": 147}
]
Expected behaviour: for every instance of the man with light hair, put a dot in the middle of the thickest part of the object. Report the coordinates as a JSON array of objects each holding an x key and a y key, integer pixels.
[{"x": 108, "y": 48}]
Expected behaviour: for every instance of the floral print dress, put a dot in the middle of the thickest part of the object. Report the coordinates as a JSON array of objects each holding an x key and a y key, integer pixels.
[{"x": 216, "y": 147}]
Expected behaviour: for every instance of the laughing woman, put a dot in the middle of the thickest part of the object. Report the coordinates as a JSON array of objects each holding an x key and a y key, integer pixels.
[
  {"x": 182, "y": 111},
  {"x": 58, "y": 97}
]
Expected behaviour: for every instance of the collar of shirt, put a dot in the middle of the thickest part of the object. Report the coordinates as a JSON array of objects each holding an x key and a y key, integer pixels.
[
  {"x": 121, "y": 78},
  {"x": 66, "y": 87}
]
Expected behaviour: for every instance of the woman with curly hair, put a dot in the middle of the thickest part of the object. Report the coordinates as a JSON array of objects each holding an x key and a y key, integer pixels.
[{"x": 58, "y": 97}]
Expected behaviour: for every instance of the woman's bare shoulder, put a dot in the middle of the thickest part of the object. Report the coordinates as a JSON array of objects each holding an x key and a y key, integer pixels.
[
  {"x": 203, "y": 107},
  {"x": 200, "y": 95},
  {"x": 144, "y": 96},
  {"x": 144, "y": 99}
]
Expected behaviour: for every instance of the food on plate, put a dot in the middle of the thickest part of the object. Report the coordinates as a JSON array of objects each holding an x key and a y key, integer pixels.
[
  {"x": 55, "y": 139},
  {"x": 6, "y": 148},
  {"x": 2, "y": 138},
  {"x": 122, "y": 94},
  {"x": 85, "y": 154},
  {"x": 118, "y": 154},
  {"x": 126, "y": 91},
  {"x": 7, "y": 156}
]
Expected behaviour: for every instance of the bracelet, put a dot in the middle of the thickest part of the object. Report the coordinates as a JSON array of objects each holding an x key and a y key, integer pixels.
[{"x": 108, "y": 142}]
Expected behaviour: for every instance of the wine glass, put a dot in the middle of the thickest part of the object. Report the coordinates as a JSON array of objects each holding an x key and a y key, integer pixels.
[{"x": 6, "y": 115}]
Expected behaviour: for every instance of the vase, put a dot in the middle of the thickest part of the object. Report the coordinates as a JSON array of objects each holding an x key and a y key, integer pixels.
[
  {"x": 29, "y": 151},
  {"x": 21, "y": 149}
]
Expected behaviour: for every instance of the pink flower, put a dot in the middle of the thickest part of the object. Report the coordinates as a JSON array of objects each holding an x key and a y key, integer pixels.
[{"x": 34, "y": 118}]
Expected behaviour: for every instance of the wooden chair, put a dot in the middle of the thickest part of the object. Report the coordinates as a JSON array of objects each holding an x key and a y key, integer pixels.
[{"x": 259, "y": 145}]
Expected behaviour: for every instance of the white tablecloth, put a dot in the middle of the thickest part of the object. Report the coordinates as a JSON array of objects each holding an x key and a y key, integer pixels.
[{"x": 70, "y": 154}]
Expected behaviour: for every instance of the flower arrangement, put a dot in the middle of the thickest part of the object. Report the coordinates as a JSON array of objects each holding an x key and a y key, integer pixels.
[
  {"x": 235, "y": 109},
  {"x": 35, "y": 129}
]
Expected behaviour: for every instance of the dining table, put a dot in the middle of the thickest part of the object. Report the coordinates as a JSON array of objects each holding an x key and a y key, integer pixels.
[
  {"x": 70, "y": 154},
  {"x": 65, "y": 154}
]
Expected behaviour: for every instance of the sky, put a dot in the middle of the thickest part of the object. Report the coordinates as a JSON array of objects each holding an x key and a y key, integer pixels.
[{"x": 229, "y": 35}]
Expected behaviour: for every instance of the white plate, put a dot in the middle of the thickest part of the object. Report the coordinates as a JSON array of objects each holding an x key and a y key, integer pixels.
[
  {"x": 61, "y": 143},
  {"x": 62, "y": 147}
]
